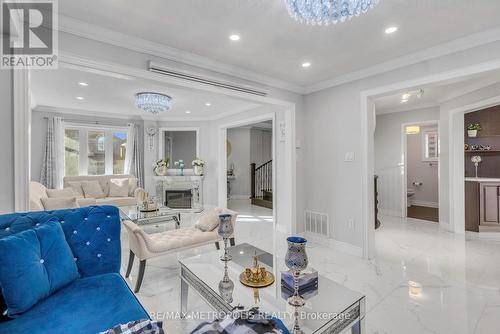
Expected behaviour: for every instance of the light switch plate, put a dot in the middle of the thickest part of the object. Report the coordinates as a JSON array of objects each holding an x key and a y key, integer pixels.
[{"x": 349, "y": 157}]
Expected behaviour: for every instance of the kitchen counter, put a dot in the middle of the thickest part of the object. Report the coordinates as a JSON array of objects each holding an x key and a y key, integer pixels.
[{"x": 482, "y": 179}]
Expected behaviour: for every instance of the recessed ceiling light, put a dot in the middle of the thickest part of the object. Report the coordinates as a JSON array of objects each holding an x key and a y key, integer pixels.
[
  {"x": 208, "y": 104},
  {"x": 83, "y": 83},
  {"x": 406, "y": 96},
  {"x": 234, "y": 37},
  {"x": 306, "y": 64},
  {"x": 79, "y": 98},
  {"x": 188, "y": 112},
  {"x": 404, "y": 101},
  {"x": 391, "y": 30}
]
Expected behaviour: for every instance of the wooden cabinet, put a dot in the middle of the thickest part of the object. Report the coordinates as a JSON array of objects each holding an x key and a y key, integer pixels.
[
  {"x": 472, "y": 206},
  {"x": 489, "y": 199}
]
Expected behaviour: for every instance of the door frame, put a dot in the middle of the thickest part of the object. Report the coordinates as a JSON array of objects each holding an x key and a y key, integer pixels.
[
  {"x": 368, "y": 122},
  {"x": 404, "y": 157}
]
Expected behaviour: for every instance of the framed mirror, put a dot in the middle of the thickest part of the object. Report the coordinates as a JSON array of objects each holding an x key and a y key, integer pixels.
[{"x": 178, "y": 144}]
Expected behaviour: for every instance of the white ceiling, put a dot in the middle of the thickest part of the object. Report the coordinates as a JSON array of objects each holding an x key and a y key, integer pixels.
[
  {"x": 114, "y": 96},
  {"x": 435, "y": 94},
  {"x": 274, "y": 44}
]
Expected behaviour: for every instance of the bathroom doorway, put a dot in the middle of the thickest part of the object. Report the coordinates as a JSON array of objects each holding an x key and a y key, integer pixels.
[{"x": 421, "y": 172}]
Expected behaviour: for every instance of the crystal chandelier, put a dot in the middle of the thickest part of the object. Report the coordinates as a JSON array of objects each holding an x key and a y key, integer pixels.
[
  {"x": 154, "y": 103},
  {"x": 324, "y": 12}
]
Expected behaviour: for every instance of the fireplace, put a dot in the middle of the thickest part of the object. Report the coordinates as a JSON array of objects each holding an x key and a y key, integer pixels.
[{"x": 178, "y": 199}]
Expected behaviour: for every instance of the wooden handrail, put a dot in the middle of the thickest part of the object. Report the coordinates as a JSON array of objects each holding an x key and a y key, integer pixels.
[{"x": 264, "y": 164}]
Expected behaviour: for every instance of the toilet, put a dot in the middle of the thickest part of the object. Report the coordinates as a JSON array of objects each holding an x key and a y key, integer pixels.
[{"x": 410, "y": 192}]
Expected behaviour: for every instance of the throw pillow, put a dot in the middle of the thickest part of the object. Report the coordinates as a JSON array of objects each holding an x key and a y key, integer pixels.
[
  {"x": 132, "y": 186},
  {"x": 118, "y": 188},
  {"x": 33, "y": 265},
  {"x": 59, "y": 203},
  {"x": 138, "y": 327},
  {"x": 208, "y": 221},
  {"x": 60, "y": 193},
  {"x": 77, "y": 188},
  {"x": 92, "y": 189}
]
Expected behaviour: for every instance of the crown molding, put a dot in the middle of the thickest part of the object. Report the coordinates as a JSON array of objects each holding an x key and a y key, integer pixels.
[
  {"x": 407, "y": 108},
  {"x": 104, "y": 35},
  {"x": 146, "y": 117},
  {"x": 457, "y": 45}
]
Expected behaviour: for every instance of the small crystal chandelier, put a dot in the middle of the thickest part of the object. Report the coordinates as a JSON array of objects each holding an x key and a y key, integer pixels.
[
  {"x": 324, "y": 12},
  {"x": 154, "y": 103}
]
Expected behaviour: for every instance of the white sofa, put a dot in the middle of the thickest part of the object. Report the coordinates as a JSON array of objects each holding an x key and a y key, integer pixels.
[
  {"x": 146, "y": 246},
  {"x": 38, "y": 191}
]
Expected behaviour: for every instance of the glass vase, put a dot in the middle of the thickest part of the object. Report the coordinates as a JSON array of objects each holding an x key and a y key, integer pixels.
[
  {"x": 225, "y": 230},
  {"x": 296, "y": 260}
]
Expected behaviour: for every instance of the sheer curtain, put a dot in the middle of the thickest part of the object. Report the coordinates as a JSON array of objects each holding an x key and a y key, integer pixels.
[
  {"x": 53, "y": 158},
  {"x": 133, "y": 157}
]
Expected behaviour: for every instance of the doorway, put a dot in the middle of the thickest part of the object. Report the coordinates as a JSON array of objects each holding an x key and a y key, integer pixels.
[{"x": 421, "y": 172}]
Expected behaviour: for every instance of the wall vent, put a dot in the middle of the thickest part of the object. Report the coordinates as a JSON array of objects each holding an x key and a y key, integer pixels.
[
  {"x": 317, "y": 223},
  {"x": 162, "y": 69}
]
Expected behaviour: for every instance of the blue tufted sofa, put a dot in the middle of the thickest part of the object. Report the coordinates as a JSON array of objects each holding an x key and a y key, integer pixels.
[{"x": 100, "y": 298}]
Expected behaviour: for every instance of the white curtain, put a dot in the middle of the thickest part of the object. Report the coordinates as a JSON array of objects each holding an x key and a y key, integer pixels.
[
  {"x": 52, "y": 173},
  {"x": 133, "y": 157},
  {"x": 129, "y": 149}
]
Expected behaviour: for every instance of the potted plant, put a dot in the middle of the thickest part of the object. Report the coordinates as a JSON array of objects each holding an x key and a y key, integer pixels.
[
  {"x": 198, "y": 166},
  {"x": 161, "y": 167},
  {"x": 473, "y": 128}
]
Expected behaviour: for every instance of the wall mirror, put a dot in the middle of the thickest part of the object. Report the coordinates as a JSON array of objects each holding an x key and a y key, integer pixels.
[{"x": 178, "y": 144}]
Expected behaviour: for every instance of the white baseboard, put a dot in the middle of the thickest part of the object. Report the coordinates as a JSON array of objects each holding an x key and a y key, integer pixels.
[
  {"x": 341, "y": 246},
  {"x": 425, "y": 203},
  {"x": 239, "y": 197}
]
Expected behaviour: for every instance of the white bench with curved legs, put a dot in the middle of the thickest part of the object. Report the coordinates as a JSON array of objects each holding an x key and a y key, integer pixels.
[{"x": 147, "y": 246}]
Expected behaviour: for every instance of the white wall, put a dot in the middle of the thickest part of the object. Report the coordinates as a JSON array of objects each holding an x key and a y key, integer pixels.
[
  {"x": 240, "y": 158},
  {"x": 333, "y": 127},
  {"x": 388, "y": 158},
  {"x": 6, "y": 142},
  {"x": 427, "y": 194}
]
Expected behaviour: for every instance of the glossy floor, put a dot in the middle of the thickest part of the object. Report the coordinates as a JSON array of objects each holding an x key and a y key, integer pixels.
[{"x": 459, "y": 277}]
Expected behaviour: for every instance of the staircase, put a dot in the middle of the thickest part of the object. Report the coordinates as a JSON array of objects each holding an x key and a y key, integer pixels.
[{"x": 262, "y": 184}]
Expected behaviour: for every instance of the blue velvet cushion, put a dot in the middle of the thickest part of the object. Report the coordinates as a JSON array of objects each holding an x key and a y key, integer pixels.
[
  {"x": 33, "y": 265},
  {"x": 87, "y": 306}
]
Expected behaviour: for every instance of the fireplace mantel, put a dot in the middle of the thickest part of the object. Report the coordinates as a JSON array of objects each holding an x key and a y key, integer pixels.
[{"x": 181, "y": 182}]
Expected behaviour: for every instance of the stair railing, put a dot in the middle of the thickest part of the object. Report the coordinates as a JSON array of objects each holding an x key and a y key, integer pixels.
[{"x": 261, "y": 179}]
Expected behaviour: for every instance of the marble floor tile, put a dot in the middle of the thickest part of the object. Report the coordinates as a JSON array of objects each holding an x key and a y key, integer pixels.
[{"x": 459, "y": 275}]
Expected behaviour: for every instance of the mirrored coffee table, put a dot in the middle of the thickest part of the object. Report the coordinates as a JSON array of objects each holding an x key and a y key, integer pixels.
[
  {"x": 155, "y": 220},
  {"x": 333, "y": 309}
]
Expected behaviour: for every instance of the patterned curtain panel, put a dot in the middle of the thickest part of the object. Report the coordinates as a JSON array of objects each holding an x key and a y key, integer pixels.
[
  {"x": 133, "y": 154},
  {"x": 53, "y": 158}
]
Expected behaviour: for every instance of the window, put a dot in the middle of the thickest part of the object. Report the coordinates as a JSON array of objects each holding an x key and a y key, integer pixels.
[
  {"x": 94, "y": 151},
  {"x": 430, "y": 147}
]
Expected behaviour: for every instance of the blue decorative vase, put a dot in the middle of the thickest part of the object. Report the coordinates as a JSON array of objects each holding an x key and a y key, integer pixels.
[
  {"x": 296, "y": 260},
  {"x": 225, "y": 230}
]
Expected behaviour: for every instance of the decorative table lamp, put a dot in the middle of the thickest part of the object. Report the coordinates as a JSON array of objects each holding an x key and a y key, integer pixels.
[
  {"x": 225, "y": 230},
  {"x": 296, "y": 260}
]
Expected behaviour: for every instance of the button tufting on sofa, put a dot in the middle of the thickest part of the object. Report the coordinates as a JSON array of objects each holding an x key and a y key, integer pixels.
[
  {"x": 99, "y": 255},
  {"x": 98, "y": 228},
  {"x": 42, "y": 261},
  {"x": 87, "y": 243},
  {"x": 75, "y": 232},
  {"x": 109, "y": 239}
]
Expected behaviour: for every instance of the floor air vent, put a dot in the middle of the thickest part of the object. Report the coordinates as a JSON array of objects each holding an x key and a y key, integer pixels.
[{"x": 316, "y": 223}]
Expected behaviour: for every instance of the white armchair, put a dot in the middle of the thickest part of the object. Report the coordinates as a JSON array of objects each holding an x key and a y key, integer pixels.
[{"x": 146, "y": 246}]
